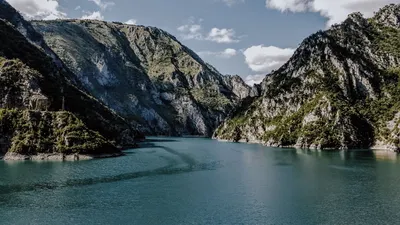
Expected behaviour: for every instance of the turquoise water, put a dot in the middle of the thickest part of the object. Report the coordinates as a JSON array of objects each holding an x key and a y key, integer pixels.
[{"x": 200, "y": 181}]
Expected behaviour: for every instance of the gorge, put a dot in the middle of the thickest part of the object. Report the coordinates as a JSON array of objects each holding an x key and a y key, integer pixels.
[
  {"x": 103, "y": 122},
  {"x": 117, "y": 83}
]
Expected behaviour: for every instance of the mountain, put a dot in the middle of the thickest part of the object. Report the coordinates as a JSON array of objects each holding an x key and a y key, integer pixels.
[
  {"x": 146, "y": 75},
  {"x": 36, "y": 87},
  {"x": 341, "y": 89}
]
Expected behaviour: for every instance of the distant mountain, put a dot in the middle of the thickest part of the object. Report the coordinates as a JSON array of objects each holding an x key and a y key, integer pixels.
[
  {"x": 341, "y": 89},
  {"x": 146, "y": 75},
  {"x": 36, "y": 86}
]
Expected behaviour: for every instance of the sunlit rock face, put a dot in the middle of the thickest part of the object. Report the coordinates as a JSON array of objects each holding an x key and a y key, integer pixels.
[
  {"x": 146, "y": 75},
  {"x": 339, "y": 90}
]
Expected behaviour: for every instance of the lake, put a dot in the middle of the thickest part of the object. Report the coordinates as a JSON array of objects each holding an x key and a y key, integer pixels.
[{"x": 202, "y": 181}]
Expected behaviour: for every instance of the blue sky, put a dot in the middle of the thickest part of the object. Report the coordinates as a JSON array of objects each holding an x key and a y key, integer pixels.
[{"x": 245, "y": 37}]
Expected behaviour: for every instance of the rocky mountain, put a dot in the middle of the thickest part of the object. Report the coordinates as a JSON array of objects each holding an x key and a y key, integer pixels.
[
  {"x": 35, "y": 86},
  {"x": 341, "y": 89},
  {"x": 11, "y": 15},
  {"x": 146, "y": 75}
]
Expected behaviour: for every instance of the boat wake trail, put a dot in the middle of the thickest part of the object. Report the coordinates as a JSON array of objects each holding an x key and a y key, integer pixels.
[
  {"x": 184, "y": 157},
  {"x": 190, "y": 165},
  {"x": 7, "y": 189}
]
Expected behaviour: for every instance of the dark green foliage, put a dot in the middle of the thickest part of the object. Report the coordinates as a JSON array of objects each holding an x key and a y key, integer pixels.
[
  {"x": 210, "y": 98},
  {"x": 289, "y": 128},
  {"x": 283, "y": 84},
  {"x": 383, "y": 109},
  {"x": 36, "y": 132},
  {"x": 386, "y": 39}
]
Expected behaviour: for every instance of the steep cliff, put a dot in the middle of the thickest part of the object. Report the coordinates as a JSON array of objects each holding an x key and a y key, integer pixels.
[
  {"x": 339, "y": 90},
  {"x": 146, "y": 75},
  {"x": 33, "y": 78}
]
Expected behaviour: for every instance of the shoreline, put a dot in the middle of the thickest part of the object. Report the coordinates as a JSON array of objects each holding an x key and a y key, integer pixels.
[
  {"x": 56, "y": 157},
  {"x": 377, "y": 147}
]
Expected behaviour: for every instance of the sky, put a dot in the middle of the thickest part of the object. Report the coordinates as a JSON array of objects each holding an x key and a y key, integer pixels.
[{"x": 249, "y": 38}]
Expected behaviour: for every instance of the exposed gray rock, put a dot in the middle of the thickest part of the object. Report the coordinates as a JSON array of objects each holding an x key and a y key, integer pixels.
[
  {"x": 339, "y": 90},
  {"x": 33, "y": 78},
  {"x": 145, "y": 74}
]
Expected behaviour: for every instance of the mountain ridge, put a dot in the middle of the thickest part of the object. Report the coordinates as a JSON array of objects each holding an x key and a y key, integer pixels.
[
  {"x": 35, "y": 80},
  {"x": 329, "y": 93},
  {"x": 158, "y": 75},
  {"x": 338, "y": 91}
]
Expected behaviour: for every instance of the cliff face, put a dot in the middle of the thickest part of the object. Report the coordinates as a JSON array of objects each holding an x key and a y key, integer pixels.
[
  {"x": 12, "y": 16},
  {"x": 146, "y": 75},
  {"x": 33, "y": 78},
  {"x": 339, "y": 90}
]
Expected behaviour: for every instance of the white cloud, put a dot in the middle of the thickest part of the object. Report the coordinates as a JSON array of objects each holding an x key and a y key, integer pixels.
[
  {"x": 222, "y": 35},
  {"x": 38, "y": 9},
  {"x": 336, "y": 11},
  {"x": 265, "y": 59},
  {"x": 78, "y": 7},
  {"x": 288, "y": 5},
  {"x": 93, "y": 16},
  {"x": 227, "y": 53},
  {"x": 232, "y": 2},
  {"x": 131, "y": 22},
  {"x": 254, "y": 79},
  {"x": 191, "y": 30},
  {"x": 103, "y": 5}
]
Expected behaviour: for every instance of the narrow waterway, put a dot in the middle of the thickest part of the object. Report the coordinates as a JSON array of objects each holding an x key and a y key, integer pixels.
[{"x": 201, "y": 181}]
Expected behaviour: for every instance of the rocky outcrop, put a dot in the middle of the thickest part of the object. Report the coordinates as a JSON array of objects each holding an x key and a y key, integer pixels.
[
  {"x": 33, "y": 78},
  {"x": 236, "y": 84},
  {"x": 339, "y": 90},
  {"x": 146, "y": 75},
  {"x": 34, "y": 73},
  {"x": 39, "y": 103}
]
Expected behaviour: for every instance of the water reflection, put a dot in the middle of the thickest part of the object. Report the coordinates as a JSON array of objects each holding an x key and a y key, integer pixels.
[
  {"x": 200, "y": 181},
  {"x": 354, "y": 154},
  {"x": 386, "y": 155}
]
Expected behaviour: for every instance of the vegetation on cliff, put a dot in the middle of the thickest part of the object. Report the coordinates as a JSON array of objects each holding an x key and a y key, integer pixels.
[
  {"x": 33, "y": 132},
  {"x": 145, "y": 74},
  {"x": 36, "y": 86},
  {"x": 339, "y": 90}
]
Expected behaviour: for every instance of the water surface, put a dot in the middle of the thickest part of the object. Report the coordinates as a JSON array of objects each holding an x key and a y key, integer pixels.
[{"x": 201, "y": 181}]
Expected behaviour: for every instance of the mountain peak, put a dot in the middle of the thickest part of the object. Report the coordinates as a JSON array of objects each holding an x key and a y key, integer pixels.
[
  {"x": 356, "y": 18},
  {"x": 333, "y": 91},
  {"x": 389, "y": 15}
]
